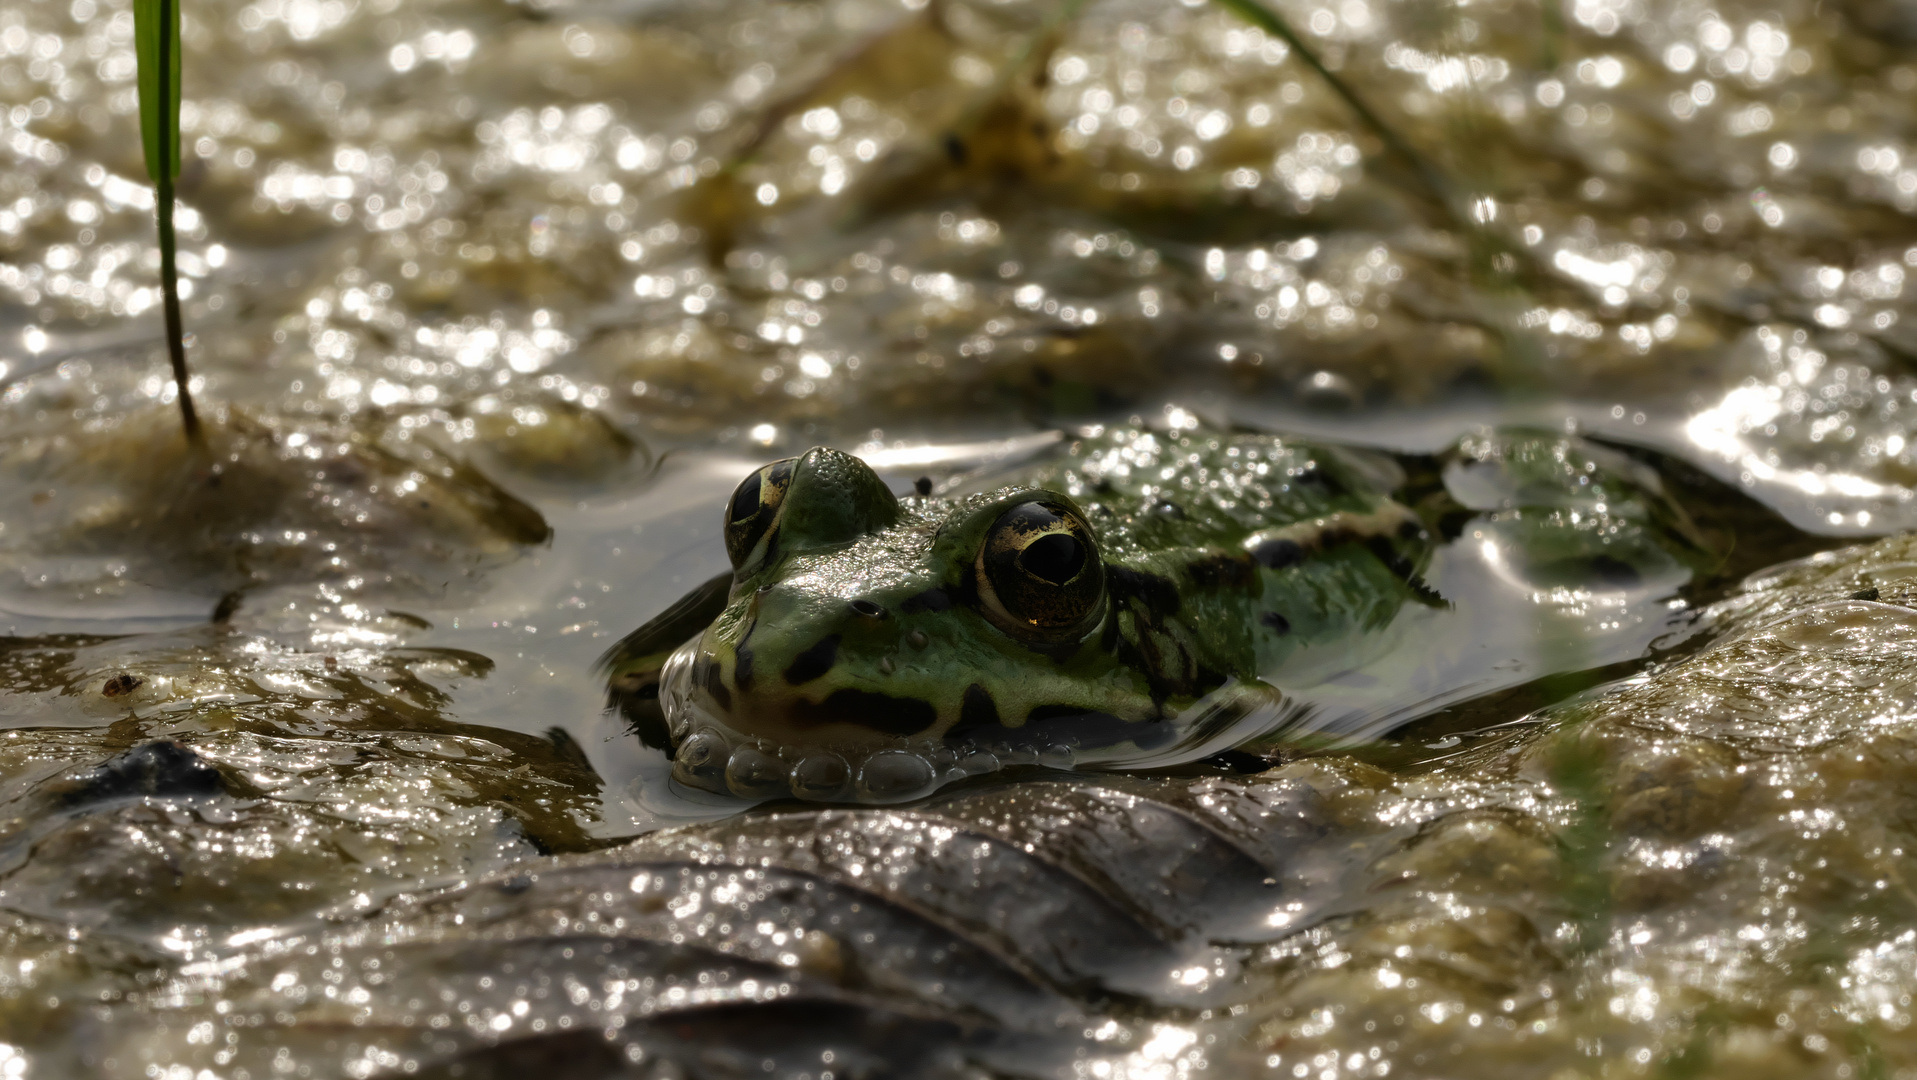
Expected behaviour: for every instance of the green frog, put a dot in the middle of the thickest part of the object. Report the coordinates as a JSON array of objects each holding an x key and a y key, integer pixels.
[{"x": 1135, "y": 594}]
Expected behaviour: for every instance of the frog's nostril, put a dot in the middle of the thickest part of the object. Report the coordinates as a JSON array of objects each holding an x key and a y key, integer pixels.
[{"x": 868, "y": 609}]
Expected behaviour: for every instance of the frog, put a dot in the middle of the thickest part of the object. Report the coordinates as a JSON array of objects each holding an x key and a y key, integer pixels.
[{"x": 1134, "y": 595}]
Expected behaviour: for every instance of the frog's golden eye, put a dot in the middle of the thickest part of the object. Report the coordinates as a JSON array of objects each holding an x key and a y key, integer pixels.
[
  {"x": 754, "y": 507},
  {"x": 1039, "y": 574}
]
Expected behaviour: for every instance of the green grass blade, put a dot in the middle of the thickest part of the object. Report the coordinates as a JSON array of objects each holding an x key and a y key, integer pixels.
[
  {"x": 159, "y": 110},
  {"x": 156, "y": 38}
]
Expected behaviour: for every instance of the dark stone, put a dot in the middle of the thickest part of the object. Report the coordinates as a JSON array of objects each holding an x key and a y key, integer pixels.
[
  {"x": 157, "y": 769},
  {"x": 122, "y": 684}
]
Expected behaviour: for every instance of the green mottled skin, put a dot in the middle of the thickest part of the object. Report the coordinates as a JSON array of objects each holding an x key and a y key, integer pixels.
[{"x": 1180, "y": 520}]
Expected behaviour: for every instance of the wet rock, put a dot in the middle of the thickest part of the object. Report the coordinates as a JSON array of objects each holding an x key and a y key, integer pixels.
[
  {"x": 987, "y": 930},
  {"x": 275, "y": 500},
  {"x": 1478, "y": 853},
  {"x": 553, "y": 439},
  {"x": 1675, "y": 790}
]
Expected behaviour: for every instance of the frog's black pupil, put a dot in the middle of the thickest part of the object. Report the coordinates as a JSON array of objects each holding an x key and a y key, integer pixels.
[
  {"x": 1054, "y": 558},
  {"x": 745, "y": 501}
]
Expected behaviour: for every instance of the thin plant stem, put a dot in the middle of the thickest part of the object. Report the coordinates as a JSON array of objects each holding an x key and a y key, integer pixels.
[
  {"x": 1435, "y": 183},
  {"x": 1492, "y": 244},
  {"x": 163, "y": 211}
]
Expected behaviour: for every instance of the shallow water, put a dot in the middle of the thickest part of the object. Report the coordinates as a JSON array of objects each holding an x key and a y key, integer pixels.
[{"x": 304, "y": 762}]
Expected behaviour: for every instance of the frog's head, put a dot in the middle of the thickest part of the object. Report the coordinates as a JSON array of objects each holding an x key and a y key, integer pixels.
[{"x": 870, "y": 644}]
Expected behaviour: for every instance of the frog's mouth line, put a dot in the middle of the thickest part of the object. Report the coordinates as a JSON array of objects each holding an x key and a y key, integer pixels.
[
  {"x": 709, "y": 754},
  {"x": 712, "y": 755}
]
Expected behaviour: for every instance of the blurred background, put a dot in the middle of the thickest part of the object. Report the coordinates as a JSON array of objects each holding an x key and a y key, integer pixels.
[{"x": 762, "y": 225}]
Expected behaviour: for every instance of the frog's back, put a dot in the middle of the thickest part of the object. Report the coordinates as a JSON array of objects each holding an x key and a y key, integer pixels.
[{"x": 1149, "y": 492}]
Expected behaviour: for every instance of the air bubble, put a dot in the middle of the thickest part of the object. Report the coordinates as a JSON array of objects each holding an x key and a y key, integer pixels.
[
  {"x": 701, "y": 761},
  {"x": 821, "y": 777},
  {"x": 977, "y": 763},
  {"x": 895, "y": 776},
  {"x": 753, "y": 774},
  {"x": 1056, "y": 757}
]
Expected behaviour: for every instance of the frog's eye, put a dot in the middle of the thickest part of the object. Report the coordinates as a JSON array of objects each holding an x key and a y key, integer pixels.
[
  {"x": 1039, "y": 574},
  {"x": 754, "y": 507}
]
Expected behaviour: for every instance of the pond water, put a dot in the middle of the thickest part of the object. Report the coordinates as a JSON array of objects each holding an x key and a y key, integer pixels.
[{"x": 306, "y": 765}]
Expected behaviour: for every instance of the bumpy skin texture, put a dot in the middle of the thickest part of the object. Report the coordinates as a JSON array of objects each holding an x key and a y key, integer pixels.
[{"x": 872, "y": 646}]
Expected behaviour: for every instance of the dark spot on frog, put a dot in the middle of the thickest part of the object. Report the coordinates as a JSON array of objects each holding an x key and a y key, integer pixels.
[
  {"x": 977, "y": 709},
  {"x": 1315, "y": 476},
  {"x": 813, "y": 662},
  {"x": 1222, "y": 570},
  {"x": 867, "y": 609},
  {"x": 706, "y": 673},
  {"x": 122, "y": 684},
  {"x": 332, "y": 664},
  {"x": 1278, "y": 554},
  {"x": 742, "y": 659},
  {"x": 955, "y": 150},
  {"x": 1158, "y": 594},
  {"x": 930, "y": 600},
  {"x": 863, "y": 708},
  {"x": 1866, "y": 594},
  {"x": 1275, "y": 622},
  {"x": 156, "y": 769},
  {"x": 923, "y": 485}
]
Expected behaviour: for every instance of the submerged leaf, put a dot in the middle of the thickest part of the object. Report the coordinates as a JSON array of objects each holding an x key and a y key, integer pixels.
[{"x": 159, "y": 119}]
